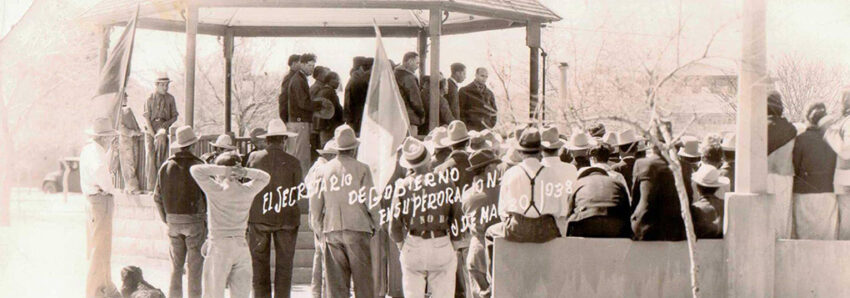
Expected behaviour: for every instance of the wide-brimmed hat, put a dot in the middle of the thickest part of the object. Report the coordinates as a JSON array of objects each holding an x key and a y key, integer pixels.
[
  {"x": 413, "y": 153},
  {"x": 184, "y": 136},
  {"x": 597, "y": 130},
  {"x": 627, "y": 136},
  {"x": 456, "y": 133},
  {"x": 580, "y": 141},
  {"x": 709, "y": 176},
  {"x": 512, "y": 157},
  {"x": 327, "y": 111},
  {"x": 690, "y": 147},
  {"x": 610, "y": 138},
  {"x": 101, "y": 127},
  {"x": 345, "y": 138},
  {"x": 529, "y": 140},
  {"x": 728, "y": 143},
  {"x": 329, "y": 148},
  {"x": 257, "y": 132},
  {"x": 225, "y": 142},
  {"x": 276, "y": 127},
  {"x": 478, "y": 141},
  {"x": 481, "y": 158},
  {"x": 549, "y": 138},
  {"x": 162, "y": 77}
]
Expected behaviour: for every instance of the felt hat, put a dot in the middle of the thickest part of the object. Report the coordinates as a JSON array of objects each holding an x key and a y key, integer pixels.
[
  {"x": 276, "y": 127},
  {"x": 257, "y": 132},
  {"x": 327, "y": 111},
  {"x": 529, "y": 140},
  {"x": 709, "y": 176},
  {"x": 478, "y": 141},
  {"x": 728, "y": 143},
  {"x": 329, "y": 148},
  {"x": 184, "y": 136},
  {"x": 101, "y": 127},
  {"x": 162, "y": 77},
  {"x": 345, "y": 138},
  {"x": 627, "y": 136},
  {"x": 512, "y": 157},
  {"x": 690, "y": 147},
  {"x": 456, "y": 133},
  {"x": 580, "y": 141},
  {"x": 549, "y": 138},
  {"x": 224, "y": 141},
  {"x": 610, "y": 138},
  {"x": 413, "y": 153},
  {"x": 597, "y": 131},
  {"x": 481, "y": 158}
]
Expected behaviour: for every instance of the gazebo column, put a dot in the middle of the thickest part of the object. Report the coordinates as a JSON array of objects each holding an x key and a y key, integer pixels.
[
  {"x": 435, "y": 31},
  {"x": 191, "y": 37},
  {"x": 750, "y": 235},
  {"x": 228, "y": 80},
  {"x": 532, "y": 39},
  {"x": 422, "y": 47}
]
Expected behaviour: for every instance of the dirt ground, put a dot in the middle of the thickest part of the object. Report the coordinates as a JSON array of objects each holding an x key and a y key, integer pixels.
[{"x": 42, "y": 254}]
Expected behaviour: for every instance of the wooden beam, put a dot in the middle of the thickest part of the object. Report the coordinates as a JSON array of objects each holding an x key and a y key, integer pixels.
[
  {"x": 191, "y": 38},
  {"x": 533, "y": 42},
  {"x": 422, "y": 5},
  {"x": 479, "y": 26},
  {"x": 422, "y": 46},
  {"x": 175, "y": 26},
  {"x": 228, "y": 79},
  {"x": 496, "y": 13},
  {"x": 435, "y": 25},
  {"x": 307, "y": 31}
]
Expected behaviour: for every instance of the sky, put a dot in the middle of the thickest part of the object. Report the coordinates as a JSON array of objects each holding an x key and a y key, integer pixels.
[{"x": 10, "y": 12}]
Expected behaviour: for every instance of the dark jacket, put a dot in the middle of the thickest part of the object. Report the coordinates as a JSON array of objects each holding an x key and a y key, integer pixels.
[
  {"x": 477, "y": 106},
  {"x": 453, "y": 98},
  {"x": 814, "y": 163},
  {"x": 336, "y": 120},
  {"x": 597, "y": 194},
  {"x": 446, "y": 116},
  {"x": 707, "y": 213},
  {"x": 355, "y": 98},
  {"x": 478, "y": 207},
  {"x": 626, "y": 168},
  {"x": 408, "y": 85},
  {"x": 457, "y": 159},
  {"x": 276, "y": 205},
  {"x": 301, "y": 107},
  {"x": 439, "y": 217},
  {"x": 656, "y": 210},
  {"x": 282, "y": 99},
  {"x": 176, "y": 192}
]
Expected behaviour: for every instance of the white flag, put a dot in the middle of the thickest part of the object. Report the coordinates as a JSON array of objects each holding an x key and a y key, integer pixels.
[{"x": 385, "y": 123}]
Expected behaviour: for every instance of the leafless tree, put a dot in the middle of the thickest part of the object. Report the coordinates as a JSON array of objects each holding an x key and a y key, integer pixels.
[{"x": 803, "y": 80}]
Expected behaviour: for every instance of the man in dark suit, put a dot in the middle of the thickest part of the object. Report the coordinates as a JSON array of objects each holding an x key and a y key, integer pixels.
[
  {"x": 408, "y": 85},
  {"x": 477, "y": 103},
  {"x": 355, "y": 92},
  {"x": 301, "y": 109},
  {"x": 458, "y": 76},
  {"x": 598, "y": 206},
  {"x": 656, "y": 210},
  {"x": 274, "y": 215},
  {"x": 282, "y": 100}
]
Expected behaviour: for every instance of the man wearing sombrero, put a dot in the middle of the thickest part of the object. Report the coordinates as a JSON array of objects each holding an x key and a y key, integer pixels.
[
  {"x": 160, "y": 113},
  {"x": 96, "y": 183},
  {"x": 707, "y": 208},
  {"x": 223, "y": 143},
  {"x": 182, "y": 207},
  {"x": 478, "y": 205}
]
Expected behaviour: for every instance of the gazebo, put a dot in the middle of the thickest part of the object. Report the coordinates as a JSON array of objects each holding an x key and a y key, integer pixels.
[{"x": 421, "y": 19}]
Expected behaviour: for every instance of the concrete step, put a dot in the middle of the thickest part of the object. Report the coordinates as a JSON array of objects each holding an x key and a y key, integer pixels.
[
  {"x": 303, "y": 258},
  {"x": 305, "y": 240},
  {"x": 302, "y": 275},
  {"x": 305, "y": 223}
]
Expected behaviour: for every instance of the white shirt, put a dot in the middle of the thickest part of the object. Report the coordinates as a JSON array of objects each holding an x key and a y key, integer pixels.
[
  {"x": 550, "y": 191},
  {"x": 94, "y": 170},
  {"x": 838, "y": 137},
  {"x": 564, "y": 169}
]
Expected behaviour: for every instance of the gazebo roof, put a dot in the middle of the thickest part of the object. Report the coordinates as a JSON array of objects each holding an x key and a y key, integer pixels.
[{"x": 340, "y": 18}]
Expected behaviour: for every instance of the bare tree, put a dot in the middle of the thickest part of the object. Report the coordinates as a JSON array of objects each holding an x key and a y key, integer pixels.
[{"x": 803, "y": 80}]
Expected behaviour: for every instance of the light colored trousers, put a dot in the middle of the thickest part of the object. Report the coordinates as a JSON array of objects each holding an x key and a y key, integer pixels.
[
  {"x": 816, "y": 216},
  {"x": 432, "y": 261},
  {"x": 843, "y": 194},
  {"x": 99, "y": 278},
  {"x": 299, "y": 146},
  {"x": 227, "y": 261},
  {"x": 156, "y": 152}
]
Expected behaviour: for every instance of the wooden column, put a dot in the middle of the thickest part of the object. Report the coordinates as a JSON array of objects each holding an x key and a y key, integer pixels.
[
  {"x": 228, "y": 80},
  {"x": 103, "y": 49},
  {"x": 191, "y": 37},
  {"x": 435, "y": 32},
  {"x": 422, "y": 47},
  {"x": 750, "y": 236},
  {"x": 532, "y": 39}
]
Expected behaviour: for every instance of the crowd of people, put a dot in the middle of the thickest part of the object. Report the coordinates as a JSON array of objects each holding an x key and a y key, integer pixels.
[{"x": 455, "y": 189}]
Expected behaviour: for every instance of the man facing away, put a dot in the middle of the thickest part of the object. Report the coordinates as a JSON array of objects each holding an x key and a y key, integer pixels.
[
  {"x": 183, "y": 208},
  {"x": 301, "y": 109},
  {"x": 478, "y": 205},
  {"x": 325, "y": 154},
  {"x": 408, "y": 86},
  {"x": 275, "y": 216},
  {"x": 228, "y": 258},
  {"x": 458, "y": 76},
  {"x": 355, "y": 92},
  {"x": 425, "y": 236},
  {"x": 96, "y": 184},
  {"x": 551, "y": 143},
  {"x": 160, "y": 113},
  {"x": 344, "y": 228},
  {"x": 477, "y": 103}
]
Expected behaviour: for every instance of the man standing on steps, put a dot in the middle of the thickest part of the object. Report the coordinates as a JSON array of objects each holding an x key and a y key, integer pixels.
[
  {"x": 274, "y": 215},
  {"x": 183, "y": 208}
]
